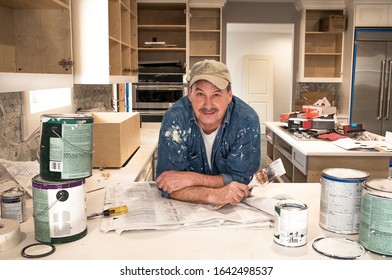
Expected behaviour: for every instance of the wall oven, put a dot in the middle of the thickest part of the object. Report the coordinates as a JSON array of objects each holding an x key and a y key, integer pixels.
[
  {"x": 152, "y": 100},
  {"x": 160, "y": 84}
]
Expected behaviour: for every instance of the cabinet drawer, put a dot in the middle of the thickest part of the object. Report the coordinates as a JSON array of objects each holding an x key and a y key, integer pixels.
[{"x": 300, "y": 161}]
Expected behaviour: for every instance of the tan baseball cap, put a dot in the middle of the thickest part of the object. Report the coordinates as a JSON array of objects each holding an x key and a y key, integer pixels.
[{"x": 210, "y": 70}]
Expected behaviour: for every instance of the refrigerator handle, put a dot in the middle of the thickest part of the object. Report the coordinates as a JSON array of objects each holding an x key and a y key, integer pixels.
[
  {"x": 381, "y": 96},
  {"x": 389, "y": 89}
]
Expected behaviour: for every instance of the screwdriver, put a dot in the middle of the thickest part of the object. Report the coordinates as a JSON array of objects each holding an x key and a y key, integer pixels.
[{"x": 113, "y": 211}]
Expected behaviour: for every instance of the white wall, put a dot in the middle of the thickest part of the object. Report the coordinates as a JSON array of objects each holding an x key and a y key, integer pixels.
[{"x": 275, "y": 40}]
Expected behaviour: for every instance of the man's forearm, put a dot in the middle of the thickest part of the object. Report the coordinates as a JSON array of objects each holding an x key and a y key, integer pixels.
[
  {"x": 211, "y": 181},
  {"x": 195, "y": 194}
]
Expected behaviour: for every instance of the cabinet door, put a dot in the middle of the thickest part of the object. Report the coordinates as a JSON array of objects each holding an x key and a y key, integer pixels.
[
  {"x": 35, "y": 37},
  {"x": 371, "y": 15}
]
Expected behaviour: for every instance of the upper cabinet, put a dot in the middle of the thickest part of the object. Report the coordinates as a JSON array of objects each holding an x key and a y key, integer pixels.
[
  {"x": 35, "y": 36},
  {"x": 162, "y": 31},
  {"x": 104, "y": 41},
  {"x": 176, "y": 31},
  {"x": 373, "y": 15},
  {"x": 123, "y": 37},
  {"x": 204, "y": 34},
  {"x": 321, "y": 41}
]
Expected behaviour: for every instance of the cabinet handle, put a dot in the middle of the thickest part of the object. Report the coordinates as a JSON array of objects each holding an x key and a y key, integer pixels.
[
  {"x": 381, "y": 90},
  {"x": 389, "y": 89}
]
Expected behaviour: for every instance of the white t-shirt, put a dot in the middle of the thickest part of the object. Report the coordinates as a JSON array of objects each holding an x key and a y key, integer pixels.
[{"x": 208, "y": 142}]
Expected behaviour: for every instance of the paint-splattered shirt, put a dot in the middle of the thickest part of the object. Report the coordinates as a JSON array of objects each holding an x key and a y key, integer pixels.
[{"x": 235, "y": 152}]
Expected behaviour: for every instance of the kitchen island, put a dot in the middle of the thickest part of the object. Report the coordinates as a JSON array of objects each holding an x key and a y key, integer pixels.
[
  {"x": 304, "y": 160},
  {"x": 188, "y": 244}
]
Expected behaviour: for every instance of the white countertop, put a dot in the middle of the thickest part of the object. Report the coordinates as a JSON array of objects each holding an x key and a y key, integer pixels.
[
  {"x": 219, "y": 244},
  {"x": 319, "y": 147}
]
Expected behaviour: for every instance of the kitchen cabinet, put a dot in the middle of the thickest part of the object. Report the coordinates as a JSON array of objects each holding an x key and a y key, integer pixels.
[
  {"x": 372, "y": 15},
  {"x": 123, "y": 37},
  {"x": 162, "y": 31},
  {"x": 35, "y": 36},
  {"x": 204, "y": 34},
  {"x": 321, "y": 52},
  {"x": 104, "y": 41}
]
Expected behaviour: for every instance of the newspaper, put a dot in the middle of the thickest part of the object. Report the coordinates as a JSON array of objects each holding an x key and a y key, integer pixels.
[
  {"x": 148, "y": 210},
  {"x": 22, "y": 172}
]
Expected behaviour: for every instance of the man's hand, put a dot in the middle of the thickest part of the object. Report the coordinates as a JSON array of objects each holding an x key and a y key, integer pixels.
[
  {"x": 232, "y": 193},
  {"x": 171, "y": 181}
]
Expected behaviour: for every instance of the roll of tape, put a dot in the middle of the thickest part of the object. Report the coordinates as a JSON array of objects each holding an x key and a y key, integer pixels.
[{"x": 9, "y": 234}]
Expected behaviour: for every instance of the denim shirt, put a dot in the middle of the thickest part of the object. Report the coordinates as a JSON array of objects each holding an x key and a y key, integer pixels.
[{"x": 235, "y": 152}]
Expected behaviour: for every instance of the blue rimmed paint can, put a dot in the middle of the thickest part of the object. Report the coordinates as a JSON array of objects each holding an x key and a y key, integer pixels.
[{"x": 340, "y": 202}]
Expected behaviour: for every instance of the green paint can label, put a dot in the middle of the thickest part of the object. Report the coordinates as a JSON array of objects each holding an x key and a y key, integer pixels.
[
  {"x": 375, "y": 231},
  {"x": 66, "y": 146}
]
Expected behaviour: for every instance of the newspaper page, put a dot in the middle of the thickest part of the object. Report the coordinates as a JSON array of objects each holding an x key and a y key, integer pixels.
[
  {"x": 22, "y": 172},
  {"x": 147, "y": 209}
]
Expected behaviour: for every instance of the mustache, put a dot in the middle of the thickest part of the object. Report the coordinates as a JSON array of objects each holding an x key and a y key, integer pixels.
[{"x": 206, "y": 110}]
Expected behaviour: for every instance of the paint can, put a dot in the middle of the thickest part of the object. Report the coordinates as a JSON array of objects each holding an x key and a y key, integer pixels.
[
  {"x": 375, "y": 231},
  {"x": 59, "y": 210},
  {"x": 13, "y": 205},
  {"x": 291, "y": 223},
  {"x": 340, "y": 202},
  {"x": 66, "y": 146}
]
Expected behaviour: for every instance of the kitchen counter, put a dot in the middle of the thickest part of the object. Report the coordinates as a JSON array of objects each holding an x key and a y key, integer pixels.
[
  {"x": 304, "y": 160},
  {"x": 217, "y": 244}
]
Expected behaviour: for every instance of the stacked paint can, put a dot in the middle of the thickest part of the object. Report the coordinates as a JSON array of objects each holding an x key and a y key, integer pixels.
[{"x": 59, "y": 200}]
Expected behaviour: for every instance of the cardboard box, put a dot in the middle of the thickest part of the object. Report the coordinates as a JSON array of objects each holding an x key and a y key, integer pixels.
[
  {"x": 309, "y": 98},
  {"x": 116, "y": 138},
  {"x": 333, "y": 23}
]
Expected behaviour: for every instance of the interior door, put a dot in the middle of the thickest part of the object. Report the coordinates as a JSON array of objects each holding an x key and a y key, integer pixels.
[{"x": 258, "y": 86}]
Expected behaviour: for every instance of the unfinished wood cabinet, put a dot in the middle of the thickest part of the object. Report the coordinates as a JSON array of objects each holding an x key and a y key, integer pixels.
[
  {"x": 321, "y": 52},
  {"x": 162, "y": 31},
  {"x": 122, "y": 37},
  {"x": 35, "y": 36},
  {"x": 204, "y": 34}
]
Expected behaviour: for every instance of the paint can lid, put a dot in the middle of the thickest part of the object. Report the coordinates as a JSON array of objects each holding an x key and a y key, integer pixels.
[
  {"x": 338, "y": 248},
  {"x": 345, "y": 173},
  {"x": 382, "y": 187}
]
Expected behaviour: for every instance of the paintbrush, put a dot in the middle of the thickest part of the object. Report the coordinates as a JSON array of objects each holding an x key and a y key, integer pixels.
[{"x": 264, "y": 176}]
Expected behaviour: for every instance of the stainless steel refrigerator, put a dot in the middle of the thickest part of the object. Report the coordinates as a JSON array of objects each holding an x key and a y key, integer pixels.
[{"x": 371, "y": 83}]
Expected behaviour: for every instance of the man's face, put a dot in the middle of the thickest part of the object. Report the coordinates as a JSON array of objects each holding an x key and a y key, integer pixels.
[{"x": 209, "y": 104}]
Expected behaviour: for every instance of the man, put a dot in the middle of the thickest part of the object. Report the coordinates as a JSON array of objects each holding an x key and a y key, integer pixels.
[{"x": 209, "y": 142}]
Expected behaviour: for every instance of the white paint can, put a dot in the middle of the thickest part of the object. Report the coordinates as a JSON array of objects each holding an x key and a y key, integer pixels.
[
  {"x": 59, "y": 210},
  {"x": 340, "y": 201},
  {"x": 375, "y": 231},
  {"x": 291, "y": 223},
  {"x": 13, "y": 204}
]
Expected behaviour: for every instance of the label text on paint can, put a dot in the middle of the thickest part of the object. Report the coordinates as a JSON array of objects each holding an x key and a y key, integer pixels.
[
  {"x": 13, "y": 205},
  {"x": 59, "y": 210},
  {"x": 340, "y": 202},
  {"x": 291, "y": 223},
  {"x": 375, "y": 232},
  {"x": 66, "y": 147}
]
